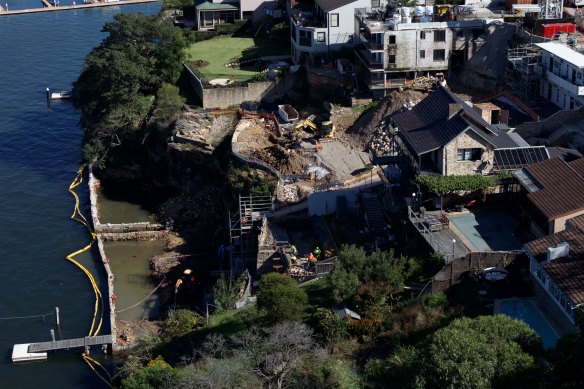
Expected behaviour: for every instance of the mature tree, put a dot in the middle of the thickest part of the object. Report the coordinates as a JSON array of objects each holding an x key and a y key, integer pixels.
[
  {"x": 157, "y": 374},
  {"x": 281, "y": 297},
  {"x": 176, "y": 4},
  {"x": 481, "y": 353},
  {"x": 285, "y": 346},
  {"x": 180, "y": 322},
  {"x": 117, "y": 88},
  {"x": 442, "y": 185},
  {"x": 226, "y": 291}
]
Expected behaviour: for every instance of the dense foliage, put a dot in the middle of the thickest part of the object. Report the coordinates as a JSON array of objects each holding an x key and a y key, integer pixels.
[
  {"x": 226, "y": 291},
  {"x": 371, "y": 279},
  {"x": 281, "y": 297},
  {"x": 442, "y": 185},
  {"x": 486, "y": 352},
  {"x": 125, "y": 80}
]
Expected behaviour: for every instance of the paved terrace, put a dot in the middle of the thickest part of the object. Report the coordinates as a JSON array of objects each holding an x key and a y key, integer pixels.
[{"x": 434, "y": 227}]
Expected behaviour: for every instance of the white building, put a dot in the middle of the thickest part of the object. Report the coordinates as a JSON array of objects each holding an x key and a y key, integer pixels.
[
  {"x": 322, "y": 27},
  {"x": 562, "y": 76},
  {"x": 213, "y": 12},
  {"x": 411, "y": 42}
]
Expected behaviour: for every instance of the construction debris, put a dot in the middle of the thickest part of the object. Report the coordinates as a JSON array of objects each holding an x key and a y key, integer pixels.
[{"x": 289, "y": 193}]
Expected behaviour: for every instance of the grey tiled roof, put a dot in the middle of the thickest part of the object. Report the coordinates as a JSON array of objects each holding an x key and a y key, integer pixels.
[{"x": 428, "y": 127}]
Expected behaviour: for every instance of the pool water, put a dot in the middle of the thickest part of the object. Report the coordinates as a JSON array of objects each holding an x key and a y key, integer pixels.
[
  {"x": 488, "y": 231},
  {"x": 527, "y": 312}
]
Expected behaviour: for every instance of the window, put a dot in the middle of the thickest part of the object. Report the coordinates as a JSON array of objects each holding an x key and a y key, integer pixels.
[
  {"x": 422, "y": 54},
  {"x": 392, "y": 39},
  {"x": 440, "y": 36},
  {"x": 391, "y": 59},
  {"x": 468, "y": 154},
  {"x": 334, "y": 20},
  {"x": 459, "y": 34},
  {"x": 375, "y": 3},
  {"x": 422, "y": 34},
  {"x": 439, "y": 55},
  {"x": 320, "y": 37}
]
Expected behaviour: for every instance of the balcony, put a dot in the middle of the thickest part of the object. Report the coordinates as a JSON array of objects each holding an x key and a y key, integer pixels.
[
  {"x": 369, "y": 61},
  {"x": 564, "y": 84},
  {"x": 305, "y": 41}
]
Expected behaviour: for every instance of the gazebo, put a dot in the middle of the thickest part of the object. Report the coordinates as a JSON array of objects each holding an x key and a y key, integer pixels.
[{"x": 209, "y": 14}]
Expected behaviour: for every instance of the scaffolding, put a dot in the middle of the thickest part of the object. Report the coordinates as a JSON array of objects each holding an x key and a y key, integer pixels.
[
  {"x": 242, "y": 248},
  {"x": 523, "y": 73}
]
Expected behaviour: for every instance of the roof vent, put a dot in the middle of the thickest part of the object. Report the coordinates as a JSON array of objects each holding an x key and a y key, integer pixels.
[{"x": 558, "y": 251}]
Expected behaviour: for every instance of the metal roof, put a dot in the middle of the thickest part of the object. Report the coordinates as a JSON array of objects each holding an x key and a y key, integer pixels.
[
  {"x": 207, "y": 6},
  {"x": 518, "y": 157},
  {"x": 563, "y": 52}
]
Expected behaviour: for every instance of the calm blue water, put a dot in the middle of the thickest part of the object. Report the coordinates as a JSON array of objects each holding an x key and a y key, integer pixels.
[
  {"x": 527, "y": 312},
  {"x": 488, "y": 231},
  {"x": 40, "y": 152}
]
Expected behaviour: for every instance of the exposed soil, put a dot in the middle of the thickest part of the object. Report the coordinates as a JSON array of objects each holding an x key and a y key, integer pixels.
[{"x": 360, "y": 133}]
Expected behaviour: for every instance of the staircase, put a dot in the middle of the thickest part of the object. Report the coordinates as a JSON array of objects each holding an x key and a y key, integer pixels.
[{"x": 373, "y": 212}]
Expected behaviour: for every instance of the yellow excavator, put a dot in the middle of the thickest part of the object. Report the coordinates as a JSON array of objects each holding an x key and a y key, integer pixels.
[{"x": 326, "y": 129}]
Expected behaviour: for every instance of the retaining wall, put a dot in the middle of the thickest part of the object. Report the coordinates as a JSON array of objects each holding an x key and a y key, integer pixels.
[
  {"x": 127, "y": 227},
  {"x": 227, "y": 96}
]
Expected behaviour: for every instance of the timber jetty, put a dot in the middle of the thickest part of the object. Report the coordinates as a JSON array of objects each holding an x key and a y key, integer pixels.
[{"x": 50, "y": 7}]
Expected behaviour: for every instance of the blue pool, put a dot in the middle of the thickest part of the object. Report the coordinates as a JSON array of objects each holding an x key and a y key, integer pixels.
[
  {"x": 488, "y": 231},
  {"x": 527, "y": 312}
]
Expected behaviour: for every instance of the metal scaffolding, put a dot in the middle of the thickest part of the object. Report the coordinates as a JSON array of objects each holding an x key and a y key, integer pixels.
[
  {"x": 242, "y": 248},
  {"x": 523, "y": 72}
]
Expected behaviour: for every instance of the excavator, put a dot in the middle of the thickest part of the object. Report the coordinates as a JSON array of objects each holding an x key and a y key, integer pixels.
[{"x": 325, "y": 129}]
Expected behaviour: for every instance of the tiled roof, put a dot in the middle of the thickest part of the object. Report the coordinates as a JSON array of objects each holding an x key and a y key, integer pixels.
[
  {"x": 567, "y": 272},
  {"x": 561, "y": 187},
  {"x": 427, "y": 126},
  {"x": 563, "y": 153},
  {"x": 577, "y": 222},
  {"x": 330, "y": 5}
]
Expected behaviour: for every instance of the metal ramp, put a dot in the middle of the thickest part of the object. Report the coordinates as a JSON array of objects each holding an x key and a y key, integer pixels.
[
  {"x": 242, "y": 232},
  {"x": 70, "y": 343}
]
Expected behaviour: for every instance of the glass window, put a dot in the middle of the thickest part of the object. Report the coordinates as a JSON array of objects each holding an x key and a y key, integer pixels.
[
  {"x": 334, "y": 20},
  {"x": 440, "y": 36},
  {"x": 391, "y": 59},
  {"x": 422, "y": 54},
  {"x": 468, "y": 154},
  {"x": 320, "y": 37},
  {"x": 422, "y": 34},
  {"x": 375, "y": 3},
  {"x": 439, "y": 55},
  {"x": 392, "y": 39}
]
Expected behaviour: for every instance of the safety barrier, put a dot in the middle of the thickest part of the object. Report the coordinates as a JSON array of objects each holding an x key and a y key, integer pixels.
[{"x": 98, "y": 305}]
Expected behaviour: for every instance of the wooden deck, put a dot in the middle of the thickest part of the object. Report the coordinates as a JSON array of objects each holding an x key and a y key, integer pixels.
[
  {"x": 52, "y": 8},
  {"x": 439, "y": 237},
  {"x": 70, "y": 343}
]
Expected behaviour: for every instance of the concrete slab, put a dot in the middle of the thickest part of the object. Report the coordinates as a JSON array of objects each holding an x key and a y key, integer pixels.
[{"x": 20, "y": 354}]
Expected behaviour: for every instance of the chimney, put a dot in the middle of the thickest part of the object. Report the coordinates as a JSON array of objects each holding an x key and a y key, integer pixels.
[
  {"x": 453, "y": 109},
  {"x": 560, "y": 250}
]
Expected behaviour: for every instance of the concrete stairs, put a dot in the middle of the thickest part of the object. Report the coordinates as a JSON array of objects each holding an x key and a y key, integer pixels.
[{"x": 373, "y": 212}]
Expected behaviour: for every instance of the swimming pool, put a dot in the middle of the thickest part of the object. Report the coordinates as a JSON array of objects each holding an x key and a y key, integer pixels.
[
  {"x": 526, "y": 311},
  {"x": 488, "y": 231}
]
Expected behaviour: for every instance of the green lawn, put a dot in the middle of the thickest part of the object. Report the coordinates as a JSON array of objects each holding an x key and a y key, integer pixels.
[{"x": 223, "y": 49}]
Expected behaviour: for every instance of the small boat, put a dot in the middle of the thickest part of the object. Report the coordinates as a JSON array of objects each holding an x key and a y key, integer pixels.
[{"x": 61, "y": 95}]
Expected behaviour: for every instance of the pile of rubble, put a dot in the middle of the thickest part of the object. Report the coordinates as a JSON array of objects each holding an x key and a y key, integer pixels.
[
  {"x": 297, "y": 271},
  {"x": 286, "y": 161},
  {"x": 289, "y": 193},
  {"x": 381, "y": 142},
  {"x": 202, "y": 129}
]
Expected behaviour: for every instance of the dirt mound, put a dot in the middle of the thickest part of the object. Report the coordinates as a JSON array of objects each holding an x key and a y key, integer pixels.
[
  {"x": 362, "y": 130},
  {"x": 285, "y": 161},
  {"x": 161, "y": 265}
]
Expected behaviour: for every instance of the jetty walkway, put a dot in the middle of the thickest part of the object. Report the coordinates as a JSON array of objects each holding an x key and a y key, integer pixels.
[{"x": 52, "y": 8}]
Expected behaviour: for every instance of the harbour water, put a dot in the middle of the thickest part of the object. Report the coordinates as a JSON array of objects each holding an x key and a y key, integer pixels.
[{"x": 40, "y": 152}]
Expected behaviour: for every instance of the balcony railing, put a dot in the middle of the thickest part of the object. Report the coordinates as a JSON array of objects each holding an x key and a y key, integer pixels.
[{"x": 370, "y": 62}]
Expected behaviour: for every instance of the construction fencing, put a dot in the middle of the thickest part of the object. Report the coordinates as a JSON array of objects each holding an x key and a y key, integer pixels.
[{"x": 472, "y": 263}]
